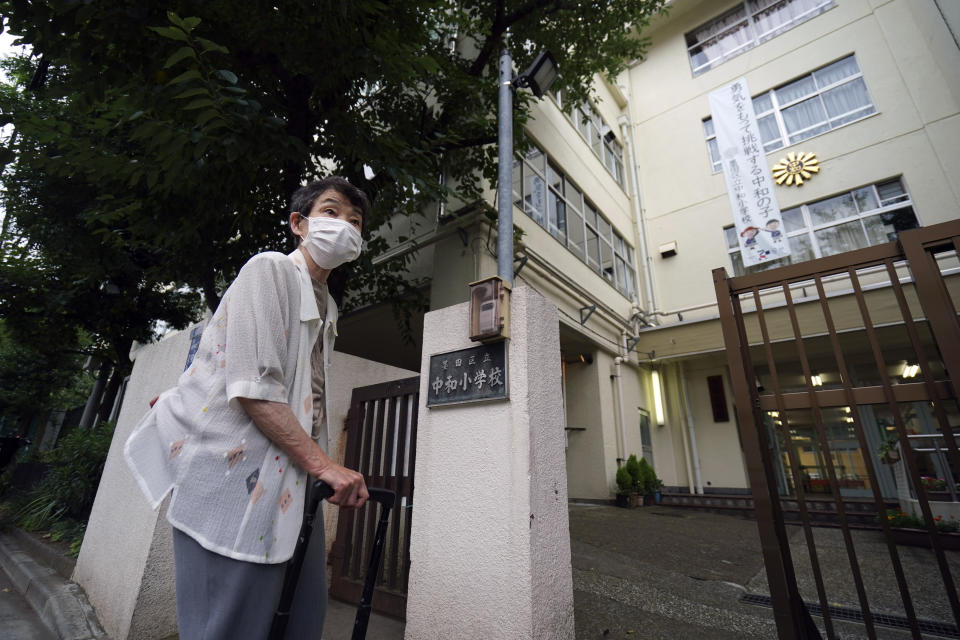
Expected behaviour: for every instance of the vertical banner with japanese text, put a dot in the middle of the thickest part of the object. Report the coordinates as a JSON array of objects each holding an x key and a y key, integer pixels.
[{"x": 749, "y": 183}]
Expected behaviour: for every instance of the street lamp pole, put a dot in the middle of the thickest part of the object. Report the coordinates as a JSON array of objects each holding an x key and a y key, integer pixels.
[{"x": 505, "y": 171}]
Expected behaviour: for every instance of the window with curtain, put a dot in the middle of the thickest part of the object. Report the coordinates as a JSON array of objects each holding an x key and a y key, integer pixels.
[
  {"x": 552, "y": 200},
  {"x": 830, "y": 97},
  {"x": 598, "y": 134},
  {"x": 745, "y": 26},
  {"x": 860, "y": 218}
]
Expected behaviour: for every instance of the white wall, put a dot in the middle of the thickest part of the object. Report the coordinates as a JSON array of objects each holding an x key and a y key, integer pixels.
[
  {"x": 126, "y": 561},
  {"x": 910, "y": 64},
  {"x": 490, "y": 549}
]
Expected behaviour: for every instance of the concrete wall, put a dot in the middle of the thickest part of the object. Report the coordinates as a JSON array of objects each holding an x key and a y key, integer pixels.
[
  {"x": 126, "y": 561},
  {"x": 132, "y": 600},
  {"x": 718, "y": 444},
  {"x": 490, "y": 554}
]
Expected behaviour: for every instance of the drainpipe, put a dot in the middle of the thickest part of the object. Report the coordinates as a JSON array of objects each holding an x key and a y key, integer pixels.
[
  {"x": 639, "y": 216},
  {"x": 623, "y": 435},
  {"x": 687, "y": 460},
  {"x": 698, "y": 481}
]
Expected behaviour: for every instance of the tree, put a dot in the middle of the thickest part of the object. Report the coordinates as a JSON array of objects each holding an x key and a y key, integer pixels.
[{"x": 168, "y": 142}]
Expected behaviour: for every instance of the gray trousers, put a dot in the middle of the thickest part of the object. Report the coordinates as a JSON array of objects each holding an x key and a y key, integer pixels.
[{"x": 219, "y": 598}]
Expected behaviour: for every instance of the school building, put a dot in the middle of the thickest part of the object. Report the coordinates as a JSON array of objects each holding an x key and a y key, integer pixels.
[{"x": 625, "y": 212}]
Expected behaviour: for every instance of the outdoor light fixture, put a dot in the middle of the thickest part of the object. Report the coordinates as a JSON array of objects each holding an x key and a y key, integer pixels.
[
  {"x": 657, "y": 399},
  {"x": 910, "y": 370},
  {"x": 540, "y": 75},
  {"x": 816, "y": 380}
]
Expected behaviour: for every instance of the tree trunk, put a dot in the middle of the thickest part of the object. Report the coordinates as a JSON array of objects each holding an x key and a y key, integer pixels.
[
  {"x": 93, "y": 401},
  {"x": 210, "y": 295},
  {"x": 110, "y": 395},
  {"x": 23, "y": 424}
]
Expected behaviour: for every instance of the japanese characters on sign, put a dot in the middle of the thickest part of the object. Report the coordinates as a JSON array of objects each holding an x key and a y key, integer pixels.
[
  {"x": 468, "y": 375},
  {"x": 756, "y": 214}
]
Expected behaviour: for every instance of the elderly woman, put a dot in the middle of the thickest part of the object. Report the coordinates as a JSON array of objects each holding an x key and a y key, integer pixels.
[{"x": 237, "y": 438}]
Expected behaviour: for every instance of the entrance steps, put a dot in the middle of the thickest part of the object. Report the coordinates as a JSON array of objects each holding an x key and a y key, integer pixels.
[{"x": 861, "y": 512}]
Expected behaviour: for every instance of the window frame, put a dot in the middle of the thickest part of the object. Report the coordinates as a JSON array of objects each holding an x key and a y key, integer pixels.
[
  {"x": 902, "y": 201},
  {"x": 587, "y": 121},
  {"x": 786, "y": 138},
  {"x": 584, "y": 213},
  {"x": 748, "y": 20}
]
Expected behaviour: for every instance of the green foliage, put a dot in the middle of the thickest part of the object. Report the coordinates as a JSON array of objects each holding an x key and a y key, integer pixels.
[
  {"x": 648, "y": 478},
  {"x": 155, "y": 149},
  {"x": 642, "y": 476},
  {"x": 888, "y": 445},
  {"x": 633, "y": 468},
  {"x": 625, "y": 482},
  {"x": 37, "y": 375},
  {"x": 70, "y": 485}
]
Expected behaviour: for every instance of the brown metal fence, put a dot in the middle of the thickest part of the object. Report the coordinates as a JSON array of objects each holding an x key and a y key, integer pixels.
[
  {"x": 833, "y": 362},
  {"x": 381, "y": 444}
]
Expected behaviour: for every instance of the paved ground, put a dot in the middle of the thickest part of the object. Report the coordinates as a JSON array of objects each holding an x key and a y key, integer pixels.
[
  {"x": 672, "y": 573},
  {"x": 17, "y": 620}
]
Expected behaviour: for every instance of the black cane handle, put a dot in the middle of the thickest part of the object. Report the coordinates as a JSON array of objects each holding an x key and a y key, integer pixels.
[{"x": 385, "y": 497}]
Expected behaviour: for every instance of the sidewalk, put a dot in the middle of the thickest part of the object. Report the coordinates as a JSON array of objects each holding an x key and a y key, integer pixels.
[{"x": 656, "y": 572}]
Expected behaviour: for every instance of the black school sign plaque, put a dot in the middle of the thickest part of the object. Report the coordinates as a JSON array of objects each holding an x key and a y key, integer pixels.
[{"x": 469, "y": 375}]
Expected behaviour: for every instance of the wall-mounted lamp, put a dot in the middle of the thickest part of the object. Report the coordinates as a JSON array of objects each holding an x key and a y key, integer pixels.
[
  {"x": 910, "y": 370},
  {"x": 816, "y": 380},
  {"x": 657, "y": 399},
  {"x": 540, "y": 75}
]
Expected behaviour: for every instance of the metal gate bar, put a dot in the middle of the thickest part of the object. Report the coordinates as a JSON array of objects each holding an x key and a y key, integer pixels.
[
  {"x": 923, "y": 248},
  {"x": 379, "y": 425},
  {"x": 824, "y": 442},
  {"x": 868, "y": 460},
  {"x": 942, "y": 317},
  {"x": 794, "y": 466},
  {"x": 774, "y": 543}
]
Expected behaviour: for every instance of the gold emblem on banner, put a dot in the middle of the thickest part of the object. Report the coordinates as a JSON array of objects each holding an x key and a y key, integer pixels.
[{"x": 795, "y": 168}]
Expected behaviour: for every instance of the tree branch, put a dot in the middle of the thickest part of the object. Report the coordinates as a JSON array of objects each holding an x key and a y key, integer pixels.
[{"x": 503, "y": 22}]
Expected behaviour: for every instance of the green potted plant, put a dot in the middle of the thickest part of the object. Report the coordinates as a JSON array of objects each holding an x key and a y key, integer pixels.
[
  {"x": 889, "y": 450},
  {"x": 648, "y": 481},
  {"x": 624, "y": 487},
  {"x": 635, "y": 469},
  {"x": 657, "y": 490}
]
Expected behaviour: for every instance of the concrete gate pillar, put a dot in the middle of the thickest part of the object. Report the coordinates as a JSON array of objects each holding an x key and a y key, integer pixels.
[{"x": 490, "y": 541}]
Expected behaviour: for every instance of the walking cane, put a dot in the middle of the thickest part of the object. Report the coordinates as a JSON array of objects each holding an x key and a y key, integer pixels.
[{"x": 322, "y": 491}]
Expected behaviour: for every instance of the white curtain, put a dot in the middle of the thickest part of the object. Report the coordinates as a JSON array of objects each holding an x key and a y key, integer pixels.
[
  {"x": 805, "y": 86},
  {"x": 847, "y": 102},
  {"x": 804, "y": 115}
]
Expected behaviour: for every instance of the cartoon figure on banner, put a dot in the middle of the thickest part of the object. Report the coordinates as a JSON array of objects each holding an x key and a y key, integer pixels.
[
  {"x": 750, "y": 235},
  {"x": 773, "y": 228}
]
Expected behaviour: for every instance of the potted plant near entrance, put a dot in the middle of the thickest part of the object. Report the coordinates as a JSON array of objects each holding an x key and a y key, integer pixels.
[
  {"x": 624, "y": 487},
  {"x": 648, "y": 484},
  {"x": 635, "y": 469},
  {"x": 636, "y": 479},
  {"x": 889, "y": 453},
  {"x": 657, "y": 489}
]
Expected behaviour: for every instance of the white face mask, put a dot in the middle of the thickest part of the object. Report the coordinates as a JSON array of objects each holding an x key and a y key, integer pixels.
[{"x": 331, "y": 241}]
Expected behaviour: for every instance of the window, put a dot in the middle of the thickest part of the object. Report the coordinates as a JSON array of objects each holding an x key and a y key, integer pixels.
[
  {"x": 545, "y": 194},
  {"x": 856, "y": 219},
  {"x": 599, "y": 135},
  {"x": 744, "y": 27},
  {"x": 830, "y": 97}
]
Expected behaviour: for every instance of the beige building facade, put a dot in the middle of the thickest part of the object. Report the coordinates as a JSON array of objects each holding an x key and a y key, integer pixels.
[{"x": 625, "y": 212}]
